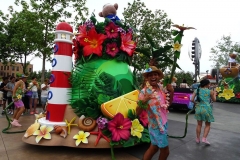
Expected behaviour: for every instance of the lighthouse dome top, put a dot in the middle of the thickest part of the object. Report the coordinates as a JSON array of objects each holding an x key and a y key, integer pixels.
[{"x": 64, "y": 26}]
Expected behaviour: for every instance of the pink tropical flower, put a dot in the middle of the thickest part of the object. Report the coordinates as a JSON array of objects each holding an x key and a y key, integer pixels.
[
  {"x": 82, "y": 31},
  {"x": 128, "y": 45},
  {"x": 112, "y": 30},
  {"x": 120, "y": 127},
  {"x": 143, "y": 118},
  {"x": 112, "y": 49}
]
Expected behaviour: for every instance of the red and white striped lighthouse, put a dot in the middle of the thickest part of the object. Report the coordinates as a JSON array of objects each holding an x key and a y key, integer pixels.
[{"x": 58, "y": 95}]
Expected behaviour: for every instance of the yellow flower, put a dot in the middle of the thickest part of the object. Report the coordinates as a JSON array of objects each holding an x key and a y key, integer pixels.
[
  {"x": 227, "y": 94},
  {"x": 81, "y": 137},
  {"x": 218, "y": 89},
  {"x": 19, "y": 96},
  {"x": 44, "y": 132},
  {"x": 177, "y": 46},
  {"x": 137, "y": 128}
]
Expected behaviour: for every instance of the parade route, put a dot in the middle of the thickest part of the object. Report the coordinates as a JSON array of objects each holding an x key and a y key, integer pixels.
[{"x": 224, "y": 138}]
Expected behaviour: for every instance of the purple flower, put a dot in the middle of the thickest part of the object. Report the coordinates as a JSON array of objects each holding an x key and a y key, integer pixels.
[
  {"x": 102, "y": 122},
  {"x": 130, "y": 30},
  {"x": 89, "y": 24},
  {"x": 121, "y": 30}
]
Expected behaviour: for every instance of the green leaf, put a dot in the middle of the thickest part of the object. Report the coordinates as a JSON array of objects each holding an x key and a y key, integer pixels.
[
  {"x": 129, "y": 143},
  {"x": 132, "y": 114},
  {"x": 102, "y": 98},
  {"x": 145, "y": 136},
  {"x": 113, "y": 143},
  {"x": 94, "y": 113},
  {"x": 144, "y": 51},
  {"x": 175, "y": 32}
]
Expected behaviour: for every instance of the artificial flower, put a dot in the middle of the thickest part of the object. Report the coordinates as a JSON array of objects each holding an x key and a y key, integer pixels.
[
  {"x": 89, "y": 24},
  {"x": 227, "y": 94},
  {"x": 182, "y": 28},
  {"x": 92, "y": 43},
  {"x": 75, "y": 49},
  {"x": 111, "y": 30},
  {"x": 81, "y": 137},
  {"x": 44, "y": 132},
  {"x": 119, "y": 126},
  {"x": 112, "y": 49},
  {"x": 102, "y": 122},
  {"x": 237, "y": 95},
  {"x": 127, "y": 44},
  {"x": 19, "y": 96},
  {"x": 218, "y": 89},
  {"x": 143, "y": 118},
  {"x": 82, "y": 31},
  {"x": 177, "y": 46},
  {"x": 137, "y": 128}
]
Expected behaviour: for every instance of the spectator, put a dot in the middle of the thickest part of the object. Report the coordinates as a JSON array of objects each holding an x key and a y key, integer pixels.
[
  {"x": 184, "y": 84},
  {"x": 44, "y": 94},
  {"x": 195, "y": 85},
  {"x": 33, "y": 86},
  {"x": 9, "y": 88},
  {"x": 26, "y": 98},
  {"x": 2, "y": 88}
]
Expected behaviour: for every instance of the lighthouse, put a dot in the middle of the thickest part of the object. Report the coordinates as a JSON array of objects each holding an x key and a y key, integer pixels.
[{"x": 58, "y": 95}]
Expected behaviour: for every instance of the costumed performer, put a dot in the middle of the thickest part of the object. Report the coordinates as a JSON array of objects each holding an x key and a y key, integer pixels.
[
  {"x": 154, "y": 96},
  {"x": 18, "y": 91},
  {"x": 203, "y": 110}
]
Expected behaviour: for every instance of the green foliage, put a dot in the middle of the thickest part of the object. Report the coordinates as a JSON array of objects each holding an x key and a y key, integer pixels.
[
  {"x": 91, "y": 89},
  {"x": 180, "y": 75},
  {"x": 220, "y": 52},
  {"x": 131, "y": 114}
]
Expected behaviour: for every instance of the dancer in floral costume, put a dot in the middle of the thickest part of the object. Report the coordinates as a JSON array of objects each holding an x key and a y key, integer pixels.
[
  {"x": 156, "y": 98},
  {"x": 18, "y": 91}
]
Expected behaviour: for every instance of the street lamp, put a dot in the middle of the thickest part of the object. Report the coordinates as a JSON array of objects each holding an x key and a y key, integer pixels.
[{"x": 217, "y": 78}]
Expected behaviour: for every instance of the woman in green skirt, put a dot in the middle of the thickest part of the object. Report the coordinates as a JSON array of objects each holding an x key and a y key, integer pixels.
[{"x": 203, "y": 110}]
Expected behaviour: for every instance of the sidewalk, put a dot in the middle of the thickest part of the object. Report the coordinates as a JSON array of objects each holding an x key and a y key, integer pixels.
[{"x": 224, "y": 146}]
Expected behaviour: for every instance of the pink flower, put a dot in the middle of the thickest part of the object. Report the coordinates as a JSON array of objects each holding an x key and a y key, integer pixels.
[
  {"x": 112, "y": 30},
  {"x": 143, "y": 118},
  {"x": 120, "y": 127},
  {"x": 112, "y": 49}
]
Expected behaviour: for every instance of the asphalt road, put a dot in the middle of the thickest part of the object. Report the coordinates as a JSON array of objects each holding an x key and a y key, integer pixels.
[{"x": 227, "y": 116}]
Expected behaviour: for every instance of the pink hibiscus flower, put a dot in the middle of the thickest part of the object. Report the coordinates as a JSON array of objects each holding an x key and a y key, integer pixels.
[
  {"x": 120, "y": 127},
  {"x": 143, "y": 118},
  {"x": 112, "y": 49},
  {"x": 112, "y": 30}
]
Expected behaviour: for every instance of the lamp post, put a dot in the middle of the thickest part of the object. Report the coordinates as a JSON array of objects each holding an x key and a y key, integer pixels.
[{"x": 217, "y": 78}]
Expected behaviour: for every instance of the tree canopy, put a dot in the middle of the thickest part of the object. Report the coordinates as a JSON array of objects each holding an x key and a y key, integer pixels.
[
  {"x": 155, "y": 25},
  {"x": 220, "y": 52}
]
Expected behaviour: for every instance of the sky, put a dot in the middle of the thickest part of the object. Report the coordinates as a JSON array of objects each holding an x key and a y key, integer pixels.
[{"x": 212, "y": 19}]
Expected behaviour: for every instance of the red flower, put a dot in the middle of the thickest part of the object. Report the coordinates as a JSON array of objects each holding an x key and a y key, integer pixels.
[
  {"x": 75, "y": 49},
  {"x": 120, "y": 127},
  {"x": 112, "y": 49},
  {"x": 82, "y": 31},
  {"x": 127, "y": 44},
  {"x": 143, "y": 118},
  {"x": 237, "y": 95},
  {"x": 92, "y": 43},
  {"x": 112, "y": 30}
]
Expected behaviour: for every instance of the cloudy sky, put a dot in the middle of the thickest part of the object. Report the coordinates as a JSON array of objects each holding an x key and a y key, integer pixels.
[{"x": 212, "y": 19}]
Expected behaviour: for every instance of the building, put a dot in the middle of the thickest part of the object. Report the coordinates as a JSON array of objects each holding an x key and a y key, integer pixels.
[{"x": 13, "y": 69}]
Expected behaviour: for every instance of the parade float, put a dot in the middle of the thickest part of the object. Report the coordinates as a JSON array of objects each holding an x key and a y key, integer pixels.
[
  {"x": 229, "y": 87},
  {"x": 92, "y": 104}
]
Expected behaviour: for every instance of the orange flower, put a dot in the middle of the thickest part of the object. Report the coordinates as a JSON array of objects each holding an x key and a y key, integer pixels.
[
  {"x": 182, "y": 28},
  {"x": 92, "y": 43},
  {"x": 127, "y": 44}
]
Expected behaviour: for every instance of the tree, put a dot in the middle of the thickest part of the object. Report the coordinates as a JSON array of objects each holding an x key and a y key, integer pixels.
[
  {"x": 220, "y": 52},
  {"x": 146, "y": 22},
  {"x": 50, "y": 12},
  {"x": 184, "y": 75}
]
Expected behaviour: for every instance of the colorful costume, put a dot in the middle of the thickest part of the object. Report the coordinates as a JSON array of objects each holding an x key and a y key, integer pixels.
[
  {"x": 157, "y": 116},
  {"x": 203, "y": 111},
  {"x": 19, "y": 93}
]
